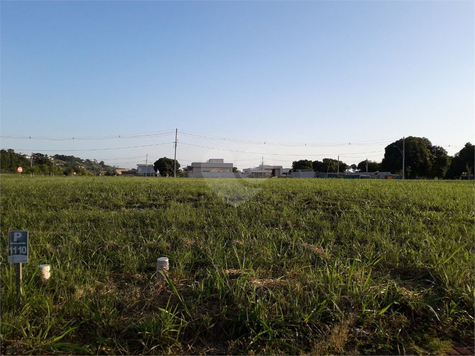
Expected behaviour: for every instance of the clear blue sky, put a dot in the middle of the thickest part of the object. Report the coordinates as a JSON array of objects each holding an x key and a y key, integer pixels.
[{"x": 344, "y": 77}]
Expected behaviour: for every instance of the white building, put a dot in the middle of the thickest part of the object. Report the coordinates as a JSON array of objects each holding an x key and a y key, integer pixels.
[
  {"x": 215, "y": 165},
  {"x": 146, "y": 169},
  {"x": 213, "y": 168},
  {"x": 264, "y": 171}
]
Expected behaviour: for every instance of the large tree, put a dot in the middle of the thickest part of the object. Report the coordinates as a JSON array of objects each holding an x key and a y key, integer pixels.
[
  {"x": 165, "y": 166},
  {"x": 440, "y": 162},
  {"x": 302, "y": 164},
  {"x": 422, "y": 159},
  {"x": 369, "y": 166},
  {"x": 40, "y": 158},
  {"x": 463, "y": 162},
  {"x": 329, "y": 165}
]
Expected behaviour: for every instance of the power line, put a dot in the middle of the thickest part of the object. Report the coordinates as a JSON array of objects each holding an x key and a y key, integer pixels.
[
  {"x": 96, "y": 149},
  {"x": 203, "y": 137},
  {"x": 90, "y": 138},
  {"x": 218, "y": 138},
  {"x": 197, "y": 136},
  {"x": 277, "y": 154},
  {"x": 120, "y": 158}
]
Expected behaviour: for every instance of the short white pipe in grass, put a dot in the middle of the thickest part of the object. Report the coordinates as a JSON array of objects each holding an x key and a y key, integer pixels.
[
  {"x": 45, "y": 272},
  {"x": 162, "y": 266}
]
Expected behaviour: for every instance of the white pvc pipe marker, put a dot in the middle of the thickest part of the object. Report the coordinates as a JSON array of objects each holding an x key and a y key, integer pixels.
[
  {"x": 45, "y": 272},
  {"x": 162, "y": 266}
]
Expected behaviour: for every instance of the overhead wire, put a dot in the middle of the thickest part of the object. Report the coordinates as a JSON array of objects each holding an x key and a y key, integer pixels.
[
  {"x": 91, "y": 138},
  {"x": 274, "y": 154},
  {"x": 199, "y": 136},
  {"x": 218, "y": 138},
  {"x": 119, "y": 158},
  {"x": 97, "y": 149}
]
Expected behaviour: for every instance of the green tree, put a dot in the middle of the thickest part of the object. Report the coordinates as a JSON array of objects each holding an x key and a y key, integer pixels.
[
  {"x": 10, "y": 161},
  {"x": 72, "y": 168},
  {"x": 419, "y": 157},
  {"x": 92, "y": 166},
  {"x": 463, "y": 161},
  {"x": 39, "y": 158},
  {"x": 372, "y": 166},
  {"x": 318, "y": 166},
  {"x": 302, "y": 164},
  {"x": 440, "y": 162},
  {"x": 66, "y": 159},
  {"x": 329, "y": 165},
  {"x": 44, "y": 168},
  {"x": 56, "y": 171},
  {"x": 35, "y": 169},
  {"x": 165, "y": 166}
]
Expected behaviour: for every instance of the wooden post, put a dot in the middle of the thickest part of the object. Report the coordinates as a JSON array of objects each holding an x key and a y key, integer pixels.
[{"x": 18, "y": 284}]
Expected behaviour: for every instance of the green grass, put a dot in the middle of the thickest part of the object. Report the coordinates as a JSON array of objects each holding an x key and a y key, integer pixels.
[{"x": 278, "y": 266}]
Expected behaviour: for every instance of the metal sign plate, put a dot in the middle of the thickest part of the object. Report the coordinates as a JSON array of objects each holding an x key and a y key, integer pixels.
[{"x": 17, "y": 246}]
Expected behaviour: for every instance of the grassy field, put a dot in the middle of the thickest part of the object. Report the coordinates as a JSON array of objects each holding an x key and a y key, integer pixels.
[{"x": 277, "y": 266}]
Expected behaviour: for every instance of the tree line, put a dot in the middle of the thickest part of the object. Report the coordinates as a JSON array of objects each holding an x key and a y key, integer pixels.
[
  {"x": 421, "y": 160},
  {"x": 39, "y": 163}
]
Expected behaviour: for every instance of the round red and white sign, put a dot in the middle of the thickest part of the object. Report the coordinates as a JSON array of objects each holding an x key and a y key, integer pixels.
[{"x": 20, "y": 169}]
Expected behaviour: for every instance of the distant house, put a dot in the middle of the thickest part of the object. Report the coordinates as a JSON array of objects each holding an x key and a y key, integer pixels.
[
  {"x": 215, "y": 165},
  {"x": 213, "y": 168},
  {"x": 127, "y": 172},
  {"x": 265, "y": 171},
  {"x": 121, "y": 171},
  {"x": 146, "y": 169}
]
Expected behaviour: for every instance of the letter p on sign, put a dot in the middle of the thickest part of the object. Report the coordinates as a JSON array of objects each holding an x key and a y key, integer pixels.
[{"x": 16, "y": 236}]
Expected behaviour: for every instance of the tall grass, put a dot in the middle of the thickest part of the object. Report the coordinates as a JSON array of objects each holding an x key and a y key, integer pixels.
[{"x": 298, "y": 266}]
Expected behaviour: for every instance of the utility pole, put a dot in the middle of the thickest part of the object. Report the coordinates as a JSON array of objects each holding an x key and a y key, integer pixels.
[
  {"x": 338, "y": 169},
  {"x": 146, "y": 165},
  {"x": 174, "y": 164},
  {"x": 403, "y": 156},
  {"x": 403, "y": 153},
  {"x": 262, "y": 168},
  {"x": 31, "y": 164}
]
